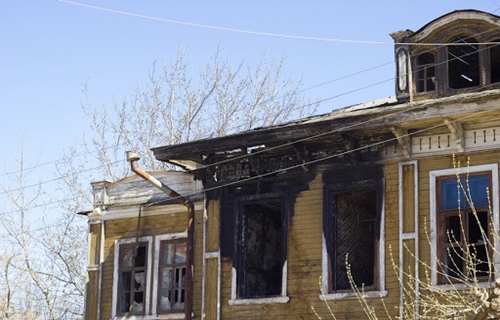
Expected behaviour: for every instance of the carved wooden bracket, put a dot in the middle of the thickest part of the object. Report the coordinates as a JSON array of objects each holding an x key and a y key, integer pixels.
[
  {"x": 456, "y": 130},
  {"x": 403, "y": 140},
  {"x": 350, "y": 145}
]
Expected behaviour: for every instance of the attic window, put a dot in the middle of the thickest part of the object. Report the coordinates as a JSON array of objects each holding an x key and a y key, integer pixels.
[
  {"x": 426, "y": 72},
  {"x": 463, "y": 63},
  {"x": 495, "y": 62}
]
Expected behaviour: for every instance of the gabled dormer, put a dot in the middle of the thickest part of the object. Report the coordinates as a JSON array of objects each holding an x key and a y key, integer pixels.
[{"x": 455, "y": 53}]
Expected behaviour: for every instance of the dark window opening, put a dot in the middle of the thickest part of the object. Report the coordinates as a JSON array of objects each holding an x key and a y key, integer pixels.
[
  {"x": 132, "y": 278},
  {"x": 353, "y": 236},
  {"x": 464, "y": 229},
  {"x": 495, "y": 62},
  {"x": 463, "y": 63},
  {"x": 261, "y": 247},
  {"x": 172, "y": 276},
  {"x": 425, "y": 72}
]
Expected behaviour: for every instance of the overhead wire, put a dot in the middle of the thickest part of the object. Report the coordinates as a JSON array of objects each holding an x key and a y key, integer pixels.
[
  {"x": 280, "y": 97},
  {"x": 285, "y": 144},
  {"x": 206, "y": 26}
]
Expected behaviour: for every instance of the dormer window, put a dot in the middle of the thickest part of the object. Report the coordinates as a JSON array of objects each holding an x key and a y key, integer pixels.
[
  {"x": 454, "y": 54},
  {"x": 463, "y": 63},
  {"x": 426, "y": 73}
]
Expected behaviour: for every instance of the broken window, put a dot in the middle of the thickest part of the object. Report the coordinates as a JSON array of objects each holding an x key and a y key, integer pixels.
[
  {"x": 463, "y": 63},
  {"x": 172, "y": 275},
  {"x": 352, "y": 237},
  {"x": 463, "y": 228},
  {"x": 132, "y": 269},
  {"x": 261, "y": 253},
  {"x": 495, "y": 62},
  {"x": 426, "y": 73}
]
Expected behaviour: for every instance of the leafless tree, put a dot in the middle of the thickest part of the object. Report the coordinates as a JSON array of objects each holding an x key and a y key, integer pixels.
[{"x": 43, "y": 257}]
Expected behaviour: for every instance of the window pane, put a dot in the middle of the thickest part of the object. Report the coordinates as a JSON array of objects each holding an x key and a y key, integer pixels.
[
  {"x": 450, "y": 190},
  {"x": 495, "y": 62},
  {"x": 453, "y": 232},
  {"x": 127, "y": 256},
  {"x": 168, "y": 254},
  {"x": 126, "y": 280},
  {"x": 165, "y": 300},
  {"x": 478, "y": 227},
  {"x": 180, "y": 252},
  {"x": 139, "y": 281},
  {"x": 454, "y": 262},
  {"x": 180, "y": 277},
  {"x": 166, "y": 278},
  {"x": 479, "y": 261},
  {"x": 140, "y": 259},
  {"x": 463, "y": 63},
  {"x": 478, "y": 186},
  {"x": 179, "y": 299},
  {"x": 125, "y": 302},
  {"x": 138, "y": 302}
]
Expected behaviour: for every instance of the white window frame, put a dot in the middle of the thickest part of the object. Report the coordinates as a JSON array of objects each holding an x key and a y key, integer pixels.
[
  {"x": 433, "y": 175},
  {"x": 158, "y": 239},
  {"x": 380, "y": 291},
  {"x": 149, "y": 241}
]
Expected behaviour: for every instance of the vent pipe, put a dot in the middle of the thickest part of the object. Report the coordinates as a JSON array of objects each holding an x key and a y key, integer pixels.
[{"x": 188, "y": 301}]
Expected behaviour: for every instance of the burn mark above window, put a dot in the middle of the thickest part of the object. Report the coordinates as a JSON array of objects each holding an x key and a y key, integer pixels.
[{"x": 463, "y": 63}]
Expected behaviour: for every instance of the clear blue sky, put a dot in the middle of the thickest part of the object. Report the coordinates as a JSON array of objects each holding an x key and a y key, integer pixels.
[{"x": 49, "y": 48}]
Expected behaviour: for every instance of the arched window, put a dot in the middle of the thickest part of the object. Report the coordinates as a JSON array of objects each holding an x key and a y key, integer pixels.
[
  {"x": 425, "y": 72},
  {"x": 463, "y": 63},
  {"x": 495, "y": 62}
]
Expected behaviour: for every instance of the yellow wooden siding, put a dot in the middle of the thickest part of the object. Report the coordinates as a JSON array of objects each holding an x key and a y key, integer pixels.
[{"x": 92, "y": 298}]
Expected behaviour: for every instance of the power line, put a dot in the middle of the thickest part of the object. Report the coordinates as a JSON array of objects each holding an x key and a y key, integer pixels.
[{"x": 260, "y": 33}]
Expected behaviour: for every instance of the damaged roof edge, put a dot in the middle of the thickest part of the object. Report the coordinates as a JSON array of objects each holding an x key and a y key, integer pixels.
[{"x": 382, "y": 112}]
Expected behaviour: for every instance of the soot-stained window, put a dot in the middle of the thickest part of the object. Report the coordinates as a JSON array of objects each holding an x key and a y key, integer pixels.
[
  {"x": 261, "y": 248},
  {"x": 352, "y": 236}
]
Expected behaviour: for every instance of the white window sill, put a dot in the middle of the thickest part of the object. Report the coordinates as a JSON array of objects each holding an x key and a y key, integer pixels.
[
  {"x": 169, "y": 316},
  {"x": 460, "y": 286},
  {"x": 242, "y": 302},
  {"x": 352, "y": 295}
]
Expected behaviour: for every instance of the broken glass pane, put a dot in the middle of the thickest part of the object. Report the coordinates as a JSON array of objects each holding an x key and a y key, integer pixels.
[
  {"x": 165, "y": 300},
  {"x": 180, "y": 277},
  {"x": 463, "y": 63},
  {"x": 179, "y": 299},
  {"x": 139, "y": 281},
  {"x": 138, "y": 302}
]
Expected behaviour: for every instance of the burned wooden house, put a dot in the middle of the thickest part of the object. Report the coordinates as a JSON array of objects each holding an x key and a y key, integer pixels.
[{"x": 291, "y": 217}]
